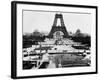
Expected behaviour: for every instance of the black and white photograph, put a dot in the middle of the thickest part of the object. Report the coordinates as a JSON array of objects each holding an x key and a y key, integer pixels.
[{"x": 54, "y": 39}]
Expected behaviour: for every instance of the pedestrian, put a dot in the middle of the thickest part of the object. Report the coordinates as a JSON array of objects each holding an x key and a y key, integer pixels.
[{"x": 45, "y": 61}]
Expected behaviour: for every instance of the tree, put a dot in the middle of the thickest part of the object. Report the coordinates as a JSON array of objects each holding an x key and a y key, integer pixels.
[
  {"x": 78, "y": 32},
  {"x": 36, "y": 33}
]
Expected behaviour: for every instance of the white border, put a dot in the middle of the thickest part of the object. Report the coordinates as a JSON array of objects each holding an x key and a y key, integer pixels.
[{"x": 33, "y": 72}]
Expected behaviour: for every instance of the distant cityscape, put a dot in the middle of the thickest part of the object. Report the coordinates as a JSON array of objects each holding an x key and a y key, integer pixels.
[{"x": 57, "y": 48}]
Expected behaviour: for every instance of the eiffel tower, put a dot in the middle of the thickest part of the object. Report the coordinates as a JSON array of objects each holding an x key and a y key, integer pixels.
[{"x": 58, "y": 27}]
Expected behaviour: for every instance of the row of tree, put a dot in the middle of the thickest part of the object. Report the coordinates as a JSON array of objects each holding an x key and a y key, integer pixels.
[
  {"x": 32, "y": 39},
  {"x": 81, "y": 37},
  {"x": 36, "y": 36}
]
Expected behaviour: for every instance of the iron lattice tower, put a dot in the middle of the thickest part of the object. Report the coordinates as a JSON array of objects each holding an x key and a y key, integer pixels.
[{"x": 60, "y": 27}]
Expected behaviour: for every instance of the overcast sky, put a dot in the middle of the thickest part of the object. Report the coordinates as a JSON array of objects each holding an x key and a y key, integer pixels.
[{"x": 43, "y": 21}]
